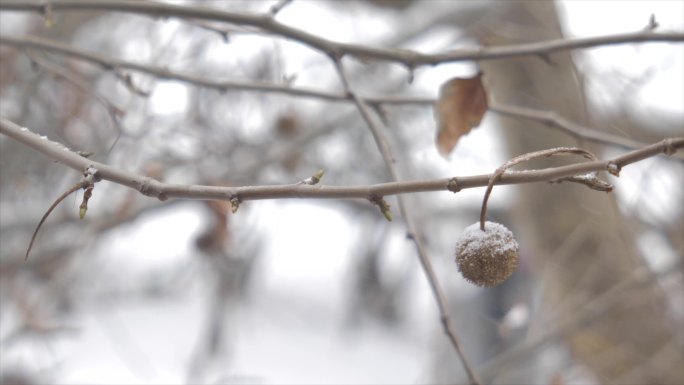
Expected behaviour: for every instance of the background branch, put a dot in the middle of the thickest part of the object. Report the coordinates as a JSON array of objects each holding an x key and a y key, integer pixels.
[
  {"x": 553, "y": 119},
  {"x": 81, "y": 84},
  {"x": 411, "y": 229},
  {"x": 409, "y": 58},
  {"x": 550, "y": 118}
]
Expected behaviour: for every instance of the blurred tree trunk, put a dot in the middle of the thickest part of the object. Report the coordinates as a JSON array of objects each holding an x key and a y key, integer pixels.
[{"x": 630, "y": 343}]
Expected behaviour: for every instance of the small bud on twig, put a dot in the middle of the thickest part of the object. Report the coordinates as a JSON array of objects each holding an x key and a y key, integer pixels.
[
  {"x": 383, "y": 205},
  {"x": 314, "y": 179},
  {"x": 234, "y": 204}
]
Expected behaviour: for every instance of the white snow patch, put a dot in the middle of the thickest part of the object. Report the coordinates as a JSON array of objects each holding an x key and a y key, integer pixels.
[{"x": 496, "y": 236}]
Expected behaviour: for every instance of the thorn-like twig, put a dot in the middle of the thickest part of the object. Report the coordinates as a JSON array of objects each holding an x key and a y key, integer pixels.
[
  {"x": 89, "y": 178},
  {"x": 277, "y": 7}
]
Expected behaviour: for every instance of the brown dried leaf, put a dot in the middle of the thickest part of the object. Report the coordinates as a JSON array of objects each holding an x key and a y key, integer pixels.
[{"x": 462, "y": 103}]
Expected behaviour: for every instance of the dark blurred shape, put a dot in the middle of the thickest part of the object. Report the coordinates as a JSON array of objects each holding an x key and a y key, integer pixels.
[
  {"x": 17, "y": 377},
  {"x": 395, "y": 4}
]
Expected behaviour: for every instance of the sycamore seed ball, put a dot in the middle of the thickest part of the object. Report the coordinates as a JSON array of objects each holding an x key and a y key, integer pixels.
[{"x": 487, "y": 258}]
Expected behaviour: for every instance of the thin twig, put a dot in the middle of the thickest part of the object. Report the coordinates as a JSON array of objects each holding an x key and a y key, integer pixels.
[
  {"x": 426, "y": 264},
  {"x": 112, "y": 110},
  {"x": 152, "y": 187},
  {"x": 550, "y": 118},
  {"x": 78, "y": 83},
  {"x": 54, "y": 204},
  {"x": 90, "y": 176},
  {"x": 223, "y": 85},
  {"x": 524, "y": 158},
  {"x": 277, "y": 7},
  {"x": 409, "y": 58}
]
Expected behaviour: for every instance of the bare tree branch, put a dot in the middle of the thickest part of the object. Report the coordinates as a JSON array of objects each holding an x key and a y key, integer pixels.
[
  {"x": 409, "y": 58},
  {"x": 222, "y": 85},
  {"x": 553, "y": 119},
  {"x": 550, "y": 118},
  {"x": 152, "y": 187},
  {"x": 412, "y": 230}
]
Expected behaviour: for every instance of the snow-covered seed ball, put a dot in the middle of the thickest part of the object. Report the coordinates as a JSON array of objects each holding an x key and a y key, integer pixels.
[{"x": 487, "y": 258}]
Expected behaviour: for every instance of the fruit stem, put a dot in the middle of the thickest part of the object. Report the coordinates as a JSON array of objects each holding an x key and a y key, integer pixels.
[{"x": 524, "y": 158}]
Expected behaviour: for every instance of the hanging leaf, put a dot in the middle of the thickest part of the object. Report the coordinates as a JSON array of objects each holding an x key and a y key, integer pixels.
[{"x": 462, "y": 103}]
